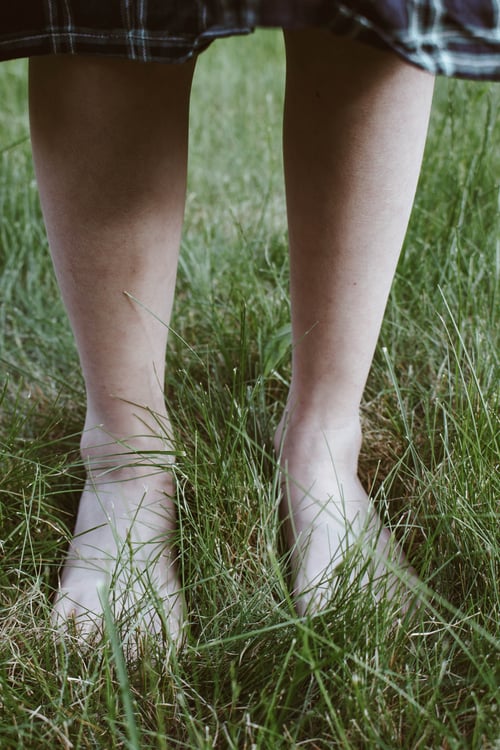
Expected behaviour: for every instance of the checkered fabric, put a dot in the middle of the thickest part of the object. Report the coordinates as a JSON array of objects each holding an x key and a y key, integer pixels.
[{"x": 452, "y": 37}]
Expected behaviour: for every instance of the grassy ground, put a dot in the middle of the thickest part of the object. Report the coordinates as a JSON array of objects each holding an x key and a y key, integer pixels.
[{"x": 252, "y": 675}]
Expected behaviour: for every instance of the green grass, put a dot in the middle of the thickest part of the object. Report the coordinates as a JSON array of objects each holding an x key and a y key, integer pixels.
[{"x": 253, "y": 675}]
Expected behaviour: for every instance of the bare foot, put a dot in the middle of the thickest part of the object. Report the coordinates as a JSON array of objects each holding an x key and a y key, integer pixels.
[
  {"x": 330, "y": 523},
  {"x": 122, "y": 553}
]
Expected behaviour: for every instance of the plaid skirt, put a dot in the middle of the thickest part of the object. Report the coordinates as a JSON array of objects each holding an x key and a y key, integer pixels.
[{"x": 458, "y": 38}]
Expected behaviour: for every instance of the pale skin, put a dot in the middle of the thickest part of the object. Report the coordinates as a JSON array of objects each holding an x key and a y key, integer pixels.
[{"x": 110, "y": 150}]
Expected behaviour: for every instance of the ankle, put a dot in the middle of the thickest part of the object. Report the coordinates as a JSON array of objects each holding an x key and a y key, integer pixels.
[
  {"x": 125, "y": 452},
  {"x": 302, "y": 436}
]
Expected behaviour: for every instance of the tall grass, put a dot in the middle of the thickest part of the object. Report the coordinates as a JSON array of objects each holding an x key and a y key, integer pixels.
[{"x": 253, "y": 675}]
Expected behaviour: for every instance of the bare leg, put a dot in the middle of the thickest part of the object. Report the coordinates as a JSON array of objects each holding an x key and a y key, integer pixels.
[
  {"x": 110, "y": 149},
  {"x": 354, "y": 133}
]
